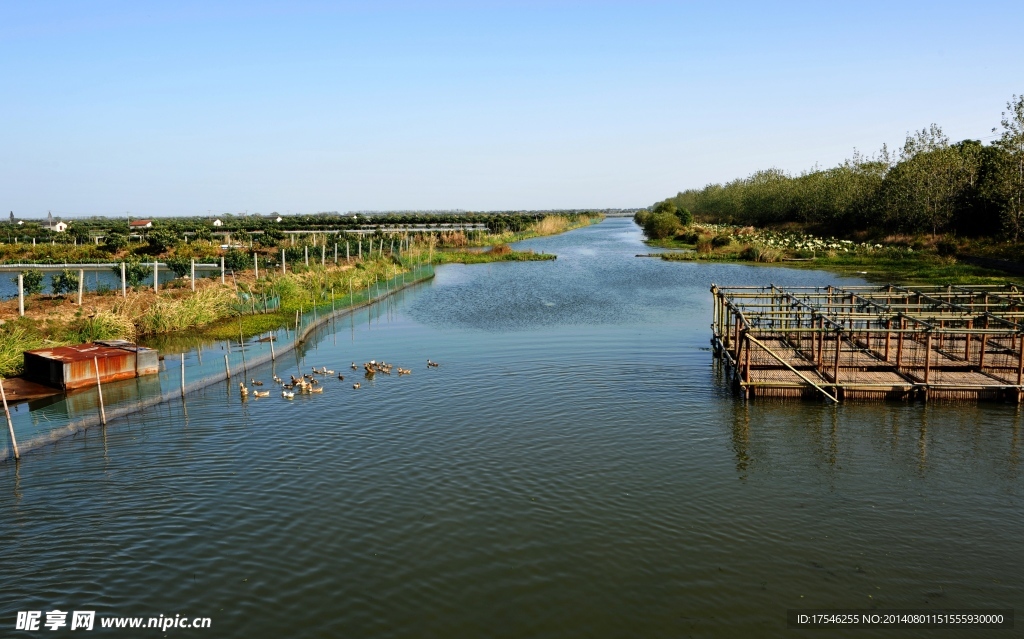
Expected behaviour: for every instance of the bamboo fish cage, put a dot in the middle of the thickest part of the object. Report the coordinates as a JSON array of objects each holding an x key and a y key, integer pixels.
[{"x": 951, "y": 343}]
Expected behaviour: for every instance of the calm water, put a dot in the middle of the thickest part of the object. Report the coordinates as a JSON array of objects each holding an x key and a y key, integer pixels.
[{"x": 575, "y": 468}]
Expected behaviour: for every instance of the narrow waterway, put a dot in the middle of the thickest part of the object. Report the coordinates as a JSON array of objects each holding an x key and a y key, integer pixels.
[{"x": 576, "y": 467}]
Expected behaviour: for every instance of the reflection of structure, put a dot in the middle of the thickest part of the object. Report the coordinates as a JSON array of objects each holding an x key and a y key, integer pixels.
[{"x": 868, "y": 342}]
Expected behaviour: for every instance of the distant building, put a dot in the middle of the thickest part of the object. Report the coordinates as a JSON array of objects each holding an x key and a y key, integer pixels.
[
  {"x": 218, "y": 223},
  {"x": 60, "y": 227},
  {"x": 278, "y": 218},
  {"x": 141, "y": 224}
]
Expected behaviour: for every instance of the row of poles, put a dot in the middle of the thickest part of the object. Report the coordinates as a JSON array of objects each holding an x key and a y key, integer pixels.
[{"x": 227, "y": 371}]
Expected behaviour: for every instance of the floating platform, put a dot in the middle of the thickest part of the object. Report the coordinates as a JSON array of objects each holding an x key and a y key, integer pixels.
[
  {"x": 70, "y": 367},
  {"x": 873, "y": 342}
]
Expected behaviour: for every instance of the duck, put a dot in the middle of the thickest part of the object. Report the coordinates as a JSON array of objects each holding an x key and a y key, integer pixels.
[
  {"x": 341, "y": 377},
  {"x": 354, "y": 367},
  {"x": 278, "y": 380},
  {"x": 242, "y": 389},
  {"x": 262, "y": 394},
  {"x": 317, "y": 389},
  {"x": 287, "y": 395},
  {"x": 432, "y": 364},
  {"x": 255, "y": 383},
  {"x": 403, "y": 371},
  {"x": 356, "y": 385}
]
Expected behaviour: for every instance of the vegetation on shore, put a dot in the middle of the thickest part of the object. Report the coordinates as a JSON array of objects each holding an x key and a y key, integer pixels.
[
  {"x": 245, "y": 305},
  {"x": 923, "y": 215}
]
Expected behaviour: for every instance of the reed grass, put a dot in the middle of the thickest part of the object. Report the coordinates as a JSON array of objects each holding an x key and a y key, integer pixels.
[{"x": 15, "y": 339}]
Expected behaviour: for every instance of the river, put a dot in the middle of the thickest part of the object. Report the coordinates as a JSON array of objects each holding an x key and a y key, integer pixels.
[{"x": 576, "y": 467}]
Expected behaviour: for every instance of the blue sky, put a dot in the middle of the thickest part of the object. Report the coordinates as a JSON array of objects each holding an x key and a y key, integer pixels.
[{"x": 184, "y": 108}]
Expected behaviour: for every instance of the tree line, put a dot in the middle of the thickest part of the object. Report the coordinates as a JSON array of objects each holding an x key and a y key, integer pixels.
[{"x": 930, "y": 186}]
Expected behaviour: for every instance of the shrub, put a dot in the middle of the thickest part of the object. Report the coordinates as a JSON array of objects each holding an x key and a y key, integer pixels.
[
  {"x": 180, "y": 265},
  {"x": 64, "y": 282},
  {"x": 659, "y": 226},
  {"x": 684, "y": 216},
  {"x": 134, "y": 272},
  {"x": 704, "y": 245},
  {"x": 237, "y": 260},
  {"x": 946, "y": 247},
  {"x": 755, "y": 253},
  {"x": 32, "y": 281},
  {"x": 500, "y": 249},
  {"x": 721, "y": 240},
  {"x": 114, "y": 242},
  {"x": 162, "y": 239}
]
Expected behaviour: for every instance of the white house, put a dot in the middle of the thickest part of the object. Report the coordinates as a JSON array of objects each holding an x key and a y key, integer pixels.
[
  {"x": 60, "y": 227},
  {"x": 218, "y": 223},
  {"x": 278, "y": 219},
  {"x": 141, "y": 224}
]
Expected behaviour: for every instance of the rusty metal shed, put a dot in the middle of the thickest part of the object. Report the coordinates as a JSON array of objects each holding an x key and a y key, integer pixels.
[{"x": 69, "y": 367}]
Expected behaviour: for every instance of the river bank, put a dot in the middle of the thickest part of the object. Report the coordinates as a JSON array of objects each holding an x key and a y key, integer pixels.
[
  {"x": 238, "y": 306},
  {"x": 903, "y": 260}
]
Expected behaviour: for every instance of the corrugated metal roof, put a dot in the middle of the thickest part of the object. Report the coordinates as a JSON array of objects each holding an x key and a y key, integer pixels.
[{"x": 78, "y": 353}]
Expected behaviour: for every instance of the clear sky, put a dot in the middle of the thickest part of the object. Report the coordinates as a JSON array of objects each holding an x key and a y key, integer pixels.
[{"x": 188, "y": 107}]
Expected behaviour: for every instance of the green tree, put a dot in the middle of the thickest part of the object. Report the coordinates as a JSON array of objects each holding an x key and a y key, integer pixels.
[
  {"x": 1008, "y": 178},
  {"x": 66, "y": 281},
  {"x": 32, "y": 281},
  {"x": 684, "y": 216},
  {"x": 161, "y": 240},
  {"x": 658, "y": 226},
  {"x": 203, "y": 233},
  {"x": 114, "y": 242}
]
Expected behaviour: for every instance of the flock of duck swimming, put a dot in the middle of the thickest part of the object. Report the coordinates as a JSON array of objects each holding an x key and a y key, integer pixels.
[{"x": 309, "y": 383}]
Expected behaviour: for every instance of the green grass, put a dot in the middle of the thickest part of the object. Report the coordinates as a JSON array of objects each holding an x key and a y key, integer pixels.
[
  {"x": 922, "y": 268},
  {"x": 484, "y": 257}
]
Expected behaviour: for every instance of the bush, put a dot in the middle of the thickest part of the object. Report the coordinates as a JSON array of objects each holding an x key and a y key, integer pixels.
[
  {"x": 687, "y": 237},
  {"x": 755, "y": 253},
  {"x": 64, "y": 282},
  {"x": 685, "y": 217},
  {"x": 161, "y": 240},
  {"x": 659, "y": 226},
  {"x": 32, "y": 281},
  {"x": 180, "y": 265},
  {"x": 704, "y": 245},
  {"x": 237, "y": 260},
  {"x": 721, "y": 240},
  {"x": 134, "y": 272},
  {"x": 946, "y": 247},
  {"x": 114, "y": 242}
]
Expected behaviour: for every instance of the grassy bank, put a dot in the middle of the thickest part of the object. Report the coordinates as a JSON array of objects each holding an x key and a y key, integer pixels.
[
  {"x": 896, "y": 259},
  {"x": 179, "y": 317}
]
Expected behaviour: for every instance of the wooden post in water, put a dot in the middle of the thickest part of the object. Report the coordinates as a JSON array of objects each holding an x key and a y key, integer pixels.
[
  {"x": 967, "y": 342},
  {"x": 839, "y": 348},
  {"x": 10, "y": 424},
  {"x": 81, "y": 284},
  {"x": 273, "y": 356},
  {"x": 227, "y": 367},
  {"x": 99, "y": 390},
  {"x": 156, "y": 275},
  {"x": 124, "y": 286},
  {"x": 927, "y": 356},
  {"x": 21, "y": 294},
  {"x": 899, "y": 344},
  {"x": 183, "y": 375},
  {"x": 332, "y": 300}
]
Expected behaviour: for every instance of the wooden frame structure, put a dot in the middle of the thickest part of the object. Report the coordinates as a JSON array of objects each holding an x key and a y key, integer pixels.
[{"x": 873, "y": 342}]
